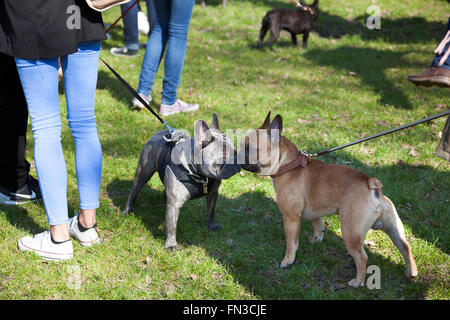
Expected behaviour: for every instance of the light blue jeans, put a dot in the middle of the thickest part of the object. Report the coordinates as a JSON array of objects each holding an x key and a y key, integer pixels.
[
  {"x": 40, "y": 85},
  {"x": 171, "y": 30}
]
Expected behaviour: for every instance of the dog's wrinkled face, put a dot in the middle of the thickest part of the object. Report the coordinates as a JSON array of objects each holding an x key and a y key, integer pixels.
[
  {"x": 214, "y": 154},
  {"x": 260, "y": 149}
]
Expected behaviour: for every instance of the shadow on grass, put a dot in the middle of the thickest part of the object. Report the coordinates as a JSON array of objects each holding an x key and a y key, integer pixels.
[
  {"x": 393, "y": 30},
  {"x": 251, "y": 244},
  {"x": 19, "y": 218},
  {"x": 107, "y": 81},
  {"x": 370, "y": 65}
]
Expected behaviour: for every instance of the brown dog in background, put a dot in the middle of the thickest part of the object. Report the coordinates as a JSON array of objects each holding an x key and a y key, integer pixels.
[{"x": 319, "y": 189}]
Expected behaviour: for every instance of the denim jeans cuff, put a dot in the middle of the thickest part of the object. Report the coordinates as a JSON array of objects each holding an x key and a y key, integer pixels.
[
  {"x": 55, "y": 222},
  {"x": 132, "y": 46},
  {"x": 89, "y": 206}
]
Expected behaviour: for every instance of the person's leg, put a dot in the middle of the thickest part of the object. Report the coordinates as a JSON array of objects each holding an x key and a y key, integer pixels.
[
  {"x": 130, "y": 26},
  {"x": 39, "y": 80},
  {"x": 180, "y": 17},
  {"x": 156, "y": 46},
  {"x": 442, "y": 58},
  {"x": 439, "y": 71},
  {"x": 130, "y": 31},
  {"x": 16, "y": 184},
  {"x": 14, "y": 168},
  {"x": 443, "y": 149},
  {"x": 80, "y": 81}
]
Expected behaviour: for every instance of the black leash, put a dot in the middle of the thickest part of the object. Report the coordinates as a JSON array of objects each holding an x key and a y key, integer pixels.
[
  {"x": 137, "y": 96},
  {"x": 377, "y": 135}
]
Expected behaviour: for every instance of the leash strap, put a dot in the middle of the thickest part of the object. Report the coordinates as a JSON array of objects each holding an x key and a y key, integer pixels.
[
  {"x": 381, "y": 134},
  {"x": 305, "y": 157},
  {"x": 137, "y": 96}
]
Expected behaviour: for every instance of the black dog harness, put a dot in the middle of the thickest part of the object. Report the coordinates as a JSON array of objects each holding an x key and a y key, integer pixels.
[{"x": 196, "y": 184}]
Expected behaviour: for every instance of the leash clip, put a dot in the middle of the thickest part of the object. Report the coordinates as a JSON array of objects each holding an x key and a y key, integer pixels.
[
  {"x": 205, "y": 186},
  {"x": 305, "y": 154}
]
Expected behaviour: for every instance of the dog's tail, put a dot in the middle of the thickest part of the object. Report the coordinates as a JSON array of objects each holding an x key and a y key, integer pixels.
[
  {"x": 265, "y": 23},
  {"x": 377, "y": 188}
]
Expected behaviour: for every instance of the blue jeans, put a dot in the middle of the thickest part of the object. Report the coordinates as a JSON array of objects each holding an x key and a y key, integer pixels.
[
  {"x": 437, "y": 58},
  {"x": 130, "y": 23},
  {"x": 130, "y": 26},
  {"x": 40, "y": 85},
  {"x": 171, "y": 30}
]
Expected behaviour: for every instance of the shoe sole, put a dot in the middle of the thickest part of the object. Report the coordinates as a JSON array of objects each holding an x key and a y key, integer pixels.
[
  {"x": 440, "y": 81},
  {"x": 179, "y": 111},
  {"x": 190, "y": 109},
  {"x": 138, "y": 105},
  {"x": 15, "y": 203},
  {"x": 431, "y": 81},
  {"x": 421, "y": 82},
  {"x": 87, "y": 243},
  {"x": 169, "y": 114},
  {"x": 124, "y": 55},
  {"x": 45, "y": 254}
]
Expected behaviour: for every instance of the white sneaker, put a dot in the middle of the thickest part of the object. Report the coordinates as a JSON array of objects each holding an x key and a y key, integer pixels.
[
  {"x": 178, "y": 106},
  {"x": 43, "y": 246},
  {"x": 137, "y": 104},
  {"x": 143, "y": 25},
  {"x": 86, "y": 238}
]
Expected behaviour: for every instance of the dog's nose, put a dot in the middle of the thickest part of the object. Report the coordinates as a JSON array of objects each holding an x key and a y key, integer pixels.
[
  {"x": 229, "y": 170},
  {"x": 250, "y": 167}
]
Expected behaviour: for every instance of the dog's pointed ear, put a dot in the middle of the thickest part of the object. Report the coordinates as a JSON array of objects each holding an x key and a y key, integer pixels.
[
  {"x": 266, "y": 123},
  {"x": 201, "y": 133},
  {"x": 275, "y": 129},
  {"x": 215, "y": 122}
]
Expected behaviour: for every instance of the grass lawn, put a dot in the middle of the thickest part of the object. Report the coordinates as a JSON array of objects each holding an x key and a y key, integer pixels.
[{"x": 349, "y": 83}]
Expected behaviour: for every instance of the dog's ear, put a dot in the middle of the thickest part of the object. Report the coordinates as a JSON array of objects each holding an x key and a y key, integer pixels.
[
  {"x": 275, "y": 129},
  {"x": 201, "y": 133},
  {"x": 315, "y": 4},
  {"x": 215, "y": 122},
  {"x": 266, "y": 123}
]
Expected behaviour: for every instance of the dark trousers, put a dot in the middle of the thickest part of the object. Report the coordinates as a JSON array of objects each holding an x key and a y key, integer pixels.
[
  {"x": 443, "y": 150},
  {"x": 14, "y": 168}
]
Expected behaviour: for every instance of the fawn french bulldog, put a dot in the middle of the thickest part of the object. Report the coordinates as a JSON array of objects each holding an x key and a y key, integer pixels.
[{"x": 311, "y": 189}]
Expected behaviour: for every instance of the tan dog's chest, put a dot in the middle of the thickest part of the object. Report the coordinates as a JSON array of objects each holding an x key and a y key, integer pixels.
[{"x": 319, "y": 190}]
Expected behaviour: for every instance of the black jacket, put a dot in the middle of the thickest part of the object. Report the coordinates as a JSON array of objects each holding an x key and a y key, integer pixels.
[{"x": 40, "y": 29}]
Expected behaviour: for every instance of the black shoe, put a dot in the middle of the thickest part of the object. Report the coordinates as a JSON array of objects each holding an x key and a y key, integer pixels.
[
  {"x": 123, "y": 52},
  {"x": 27, "y": 193}
]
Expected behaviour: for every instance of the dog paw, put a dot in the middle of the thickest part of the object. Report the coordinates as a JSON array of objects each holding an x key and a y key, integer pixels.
[
  {"x": 316, "y": 239},
  {"x": 286, "y": 264},
  {"x": 172, "y": 248},
  {"x": 411, "y": 274},
  {"x": 355, "y": 284},
  {"x": 214, "y": 227}
]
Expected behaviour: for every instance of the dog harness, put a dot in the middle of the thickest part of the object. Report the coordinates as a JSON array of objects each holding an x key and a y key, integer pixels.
[{"x": 196, "y": 184}]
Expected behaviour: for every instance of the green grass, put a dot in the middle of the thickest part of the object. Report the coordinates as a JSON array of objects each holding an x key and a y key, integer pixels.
[{"x": 349, "y": 83}]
